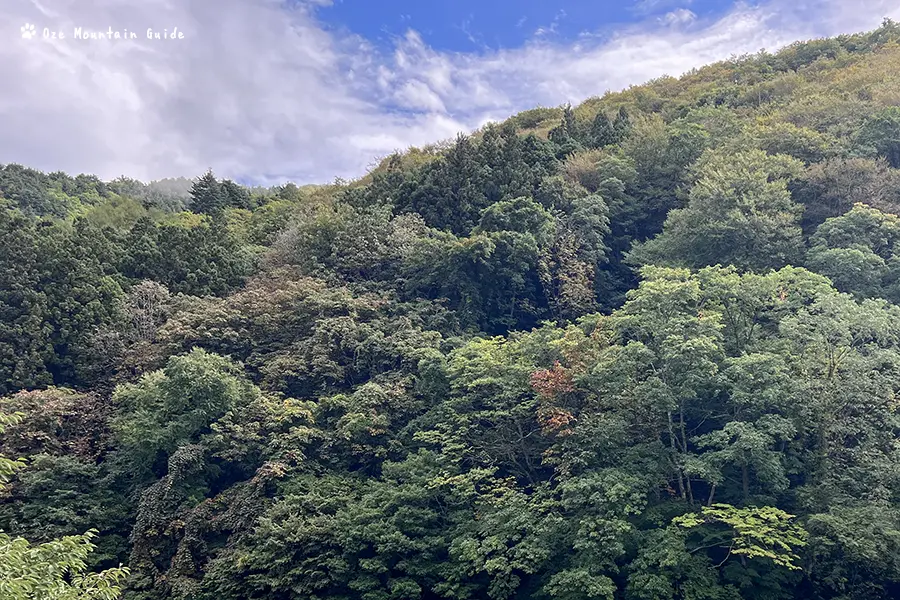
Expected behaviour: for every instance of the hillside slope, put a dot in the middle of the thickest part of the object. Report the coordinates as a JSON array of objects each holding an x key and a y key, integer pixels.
[{"x": 644, "y": 348}]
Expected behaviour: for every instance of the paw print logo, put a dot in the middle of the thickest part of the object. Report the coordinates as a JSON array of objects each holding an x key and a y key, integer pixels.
[{"x": 27, "y": 31}]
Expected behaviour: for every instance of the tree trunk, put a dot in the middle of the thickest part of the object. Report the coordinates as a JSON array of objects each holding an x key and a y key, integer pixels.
[
  {"x": 745, "y": 480},
  {"x": 684, "y": 449},
  {"x": 675, "y": 450}
]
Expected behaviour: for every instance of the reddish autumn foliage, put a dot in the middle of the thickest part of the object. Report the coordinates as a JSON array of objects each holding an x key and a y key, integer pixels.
[
  {"x": 555, "y": 420},
  {"x": 550, "y": 383}
]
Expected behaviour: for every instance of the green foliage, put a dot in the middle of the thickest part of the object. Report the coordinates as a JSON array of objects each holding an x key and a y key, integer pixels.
[
  {"x": 170, "y": 407},
  {"x": 832, "y": 187},
  {"x": 208, "y": 196},
  {"x": 451, "y": 192},
  {"x": 739, "y": 212},
  {"x": 54, "y": 570},
  {"x": 8, "y": 466},
  {"x": 881, "y": 133},
  {"x": 54, "y": 292},
  {"x": 858, "y": 252},
  {"x": 25, "y": 346},
  {"x": 764, "y": 532},
  {"x": 29, "y": 191},
  {"x": 446, "y": 381},
  {"x": 853, "y": 549},
  {"x": 200, "y": 260}
]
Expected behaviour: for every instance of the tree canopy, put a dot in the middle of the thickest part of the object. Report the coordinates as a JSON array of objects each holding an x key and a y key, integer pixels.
[{"x": 642, "y": 348}]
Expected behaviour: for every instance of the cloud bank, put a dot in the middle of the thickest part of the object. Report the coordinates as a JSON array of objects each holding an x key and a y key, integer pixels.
[{"x": 260, "y": 90}]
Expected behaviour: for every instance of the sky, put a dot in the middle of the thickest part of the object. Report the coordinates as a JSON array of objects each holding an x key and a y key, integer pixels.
[{"x": 269, "y": 91}]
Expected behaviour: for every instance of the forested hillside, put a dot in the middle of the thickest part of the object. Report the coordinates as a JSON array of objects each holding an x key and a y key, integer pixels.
[{"x": 645, "y": 348}]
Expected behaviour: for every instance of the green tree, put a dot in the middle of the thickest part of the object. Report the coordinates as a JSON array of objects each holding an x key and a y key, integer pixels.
[
  {"x": 858, "y": 252},
  {"x": 208, "y": 196},
  {"x": 603, "y": 132},
  {"x": 764, "y": 532},
  {"x": 171, "y": 407},
  {"x": 25, "y": 341},
  {"x": 236, "y": 196},
  {"x": 202, "y": 259},
  {"x": 30, "y": 192},
  {"x": 881, "y": 133},
  {"x": 52, "y": 570},
  {"x": 567, "y": 134},
  {"x": 739, "y": 212}
]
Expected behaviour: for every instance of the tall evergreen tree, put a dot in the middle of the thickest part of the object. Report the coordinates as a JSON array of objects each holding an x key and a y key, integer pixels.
[
  {"x": 207, "y": 196},
  {"x": 236, "y": 196},
  {"x": 621, "y": 124},
  {"x": 602, "y": 131}
]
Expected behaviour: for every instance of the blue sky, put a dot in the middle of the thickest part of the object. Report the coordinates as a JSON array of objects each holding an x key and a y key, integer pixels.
[
  {"x": 268, "y": 91},
  {"x": 477, "y": 25}
]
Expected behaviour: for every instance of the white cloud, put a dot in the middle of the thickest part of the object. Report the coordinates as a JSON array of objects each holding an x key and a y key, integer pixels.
[
  {"x": 681, "y": 16},
  {"x": 646, "y": 7},
  {"x": 417, "y": 95},
  {"x": 255, "y": 89},
  {"x": 552, "y": 28}
]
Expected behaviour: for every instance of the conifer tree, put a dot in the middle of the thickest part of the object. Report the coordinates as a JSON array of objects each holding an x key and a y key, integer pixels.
[
  {"x": 621, "y": 124},
  {"x": 602, "y": 131},
  {"x": 207, "y": 195}
]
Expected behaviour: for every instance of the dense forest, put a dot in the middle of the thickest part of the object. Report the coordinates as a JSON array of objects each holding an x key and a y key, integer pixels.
[{"x": 644, "y": 348}]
